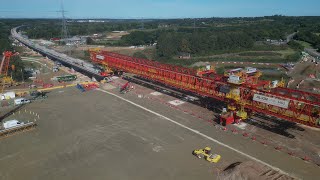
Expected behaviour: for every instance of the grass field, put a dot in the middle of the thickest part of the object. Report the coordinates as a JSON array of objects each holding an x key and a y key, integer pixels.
[
  {"x": 305, "y": 44},
  {"x": 279, "y": 56},
  {"x": 258, "y": 53}
]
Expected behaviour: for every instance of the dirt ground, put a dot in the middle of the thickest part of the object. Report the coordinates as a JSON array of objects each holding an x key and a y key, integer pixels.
[
  {"x": 94, "y": 135},
  {"x": 300, "y": 75},
  {"x": 116, "y": 35},
  {"x": 290, "y": 139},
  {"x": 45, "y": 67}
]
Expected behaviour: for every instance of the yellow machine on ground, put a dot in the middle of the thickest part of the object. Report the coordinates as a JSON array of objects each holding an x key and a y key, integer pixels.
[{"x": 206, "y": 154}]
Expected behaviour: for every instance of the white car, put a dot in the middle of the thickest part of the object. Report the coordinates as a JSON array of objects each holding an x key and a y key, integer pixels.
[{"x": 20, "y": 101}]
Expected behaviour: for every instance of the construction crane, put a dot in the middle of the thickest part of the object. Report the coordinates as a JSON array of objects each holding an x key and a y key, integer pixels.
[
  {"x": 4, "y": 68},
  {"x": 243, "y": 97}
]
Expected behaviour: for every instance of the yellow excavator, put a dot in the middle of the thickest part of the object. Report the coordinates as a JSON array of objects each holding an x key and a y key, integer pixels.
[{"x": 207, "y": 155}]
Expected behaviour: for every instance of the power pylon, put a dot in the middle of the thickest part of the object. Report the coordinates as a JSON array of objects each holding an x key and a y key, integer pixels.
[{"x": 64, "y": 28}]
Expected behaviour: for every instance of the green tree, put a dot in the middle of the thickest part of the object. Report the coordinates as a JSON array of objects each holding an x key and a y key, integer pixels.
[
  {"x": 89, "y": 41},
  {"x": 293, "y": 57},
  {"x": 318, "y": 47},
  {"x": 18, "y": 73},
  {"x": 220, "y": 70},
  {"x": 167, "y": 45},
  {"x": 184, "y": 46},
  {"x": 86, "y": 55},
  {"x": 295, "y": 45}
]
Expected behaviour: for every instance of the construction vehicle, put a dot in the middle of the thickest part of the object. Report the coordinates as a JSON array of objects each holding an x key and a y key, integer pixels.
[
  {"x": 125, "y": 88},
  {"x": 65, "y": 78},
  {"x": 58, "y": 64},
  {"x": 106, "y": 80},
  {"x": 80, "y": 87},
  {"x": 206, "y": 71},
  {"x": 55, "y": 69},
  {"x": 20, "y": 101},
  {"x": 227, "y": 117},
  {"x": 246, "y": 94},
  {"x": 90, "y": 85},
  {"x": 38, "y": 95},
  {"x": 207, "y": 155},
  {"x": 94, "y": 49}
]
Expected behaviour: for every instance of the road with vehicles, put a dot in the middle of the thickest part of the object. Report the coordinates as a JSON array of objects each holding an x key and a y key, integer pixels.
[{"x": 77, "y": 64}]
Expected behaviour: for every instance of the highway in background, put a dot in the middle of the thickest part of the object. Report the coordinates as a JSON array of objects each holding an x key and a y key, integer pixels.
[{"x": 77, "y": 64}]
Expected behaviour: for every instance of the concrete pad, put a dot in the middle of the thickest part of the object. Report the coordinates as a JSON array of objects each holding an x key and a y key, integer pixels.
[
  {"x": 108, "y": 86},
  {"x": 241, "y": 125},
  {"x": 156, "y": 93},
  {"x": 176, "y": 102},
  {"x": 95, "y": 135}
]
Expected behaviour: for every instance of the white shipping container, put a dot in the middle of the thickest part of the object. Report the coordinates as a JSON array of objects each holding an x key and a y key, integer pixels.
[{"x": 8, "y": 95}]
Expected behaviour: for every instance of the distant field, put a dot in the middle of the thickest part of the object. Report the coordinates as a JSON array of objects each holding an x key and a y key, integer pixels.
[
  {"x": 278, "y": 56},
  {"x": 257, "y": 53},
  {"x": 286, "y": 52}
]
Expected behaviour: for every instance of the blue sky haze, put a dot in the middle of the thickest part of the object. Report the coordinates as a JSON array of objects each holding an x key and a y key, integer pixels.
[{"x": 157, "y": 8}]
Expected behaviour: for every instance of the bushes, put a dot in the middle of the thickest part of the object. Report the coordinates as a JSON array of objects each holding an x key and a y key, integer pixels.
[
  {"x": 204, "y": 43},
  {"x": 293, "y": 57},
  {"x": 296, "y": 46},
  {"x": 309, "y": 36},
  {"x": 18, "y": 73},
  {"x": 139, "y": 38}
]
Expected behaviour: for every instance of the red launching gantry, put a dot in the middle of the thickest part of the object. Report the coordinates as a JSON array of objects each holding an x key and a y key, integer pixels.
[{"x": 240, "y": 89}]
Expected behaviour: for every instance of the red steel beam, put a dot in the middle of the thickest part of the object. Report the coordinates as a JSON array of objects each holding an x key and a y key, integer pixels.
[{"x": 303, "y": 107}]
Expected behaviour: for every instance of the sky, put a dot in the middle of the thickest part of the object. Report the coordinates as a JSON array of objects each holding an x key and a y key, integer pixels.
[{"x": 125, "y": 9}]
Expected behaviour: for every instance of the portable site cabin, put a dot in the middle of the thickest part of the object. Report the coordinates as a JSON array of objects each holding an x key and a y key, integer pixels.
[{"x": 8, "y": 95}]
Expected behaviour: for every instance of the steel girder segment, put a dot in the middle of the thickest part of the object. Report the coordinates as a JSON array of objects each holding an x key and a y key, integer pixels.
[{"x": 300, "y": 107}]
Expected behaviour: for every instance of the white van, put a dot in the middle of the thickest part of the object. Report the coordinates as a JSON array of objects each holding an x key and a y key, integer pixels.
[
  {"x": 20, "y": 101},
  {"x": 12, "y": 123}
]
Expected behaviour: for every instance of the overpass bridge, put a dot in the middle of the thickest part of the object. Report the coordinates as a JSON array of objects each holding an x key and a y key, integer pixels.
[{"x": 77, "y": 64}]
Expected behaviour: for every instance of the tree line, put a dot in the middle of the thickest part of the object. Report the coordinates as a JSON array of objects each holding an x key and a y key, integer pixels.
[{"x": 310, "y": 37}]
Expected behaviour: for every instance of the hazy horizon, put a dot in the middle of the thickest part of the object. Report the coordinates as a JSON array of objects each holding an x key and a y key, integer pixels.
[{"x": 157, "y": 9}]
